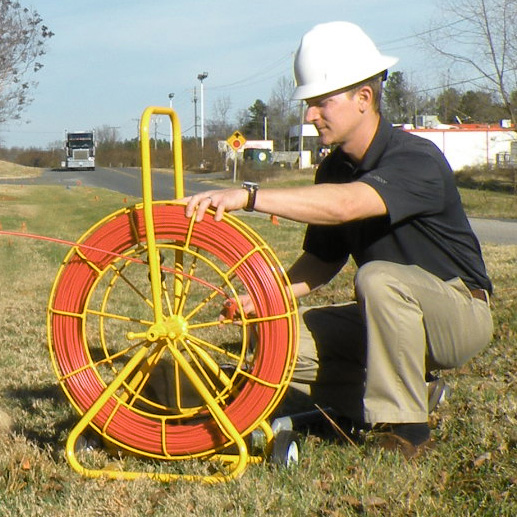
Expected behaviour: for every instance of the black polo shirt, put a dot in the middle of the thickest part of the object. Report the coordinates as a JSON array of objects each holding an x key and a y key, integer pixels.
[{"x": 426, "y": 224}]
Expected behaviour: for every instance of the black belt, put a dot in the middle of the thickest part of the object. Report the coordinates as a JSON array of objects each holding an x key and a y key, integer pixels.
[{"x": 480, "y": 294}]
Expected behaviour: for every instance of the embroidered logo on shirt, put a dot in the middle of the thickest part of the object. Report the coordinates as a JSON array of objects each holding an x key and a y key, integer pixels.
[{"x": 379, "y": 179}]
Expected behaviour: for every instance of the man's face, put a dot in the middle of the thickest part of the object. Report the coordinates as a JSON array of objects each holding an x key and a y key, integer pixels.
[{"x": 336, "y": 116}]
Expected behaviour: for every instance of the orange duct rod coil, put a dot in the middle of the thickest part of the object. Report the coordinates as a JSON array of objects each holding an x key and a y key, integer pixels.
[{"x": 100, "y": 315}]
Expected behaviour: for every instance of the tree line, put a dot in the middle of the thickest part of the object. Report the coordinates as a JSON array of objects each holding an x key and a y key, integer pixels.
[{"x": 403, "y": 103}]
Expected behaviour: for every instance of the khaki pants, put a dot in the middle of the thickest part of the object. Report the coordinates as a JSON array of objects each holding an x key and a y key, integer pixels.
[{"x": 368, "y": 359}]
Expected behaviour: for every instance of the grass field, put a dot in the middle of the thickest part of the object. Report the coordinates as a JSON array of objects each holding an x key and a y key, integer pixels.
[{"x": 473, "y": 470}]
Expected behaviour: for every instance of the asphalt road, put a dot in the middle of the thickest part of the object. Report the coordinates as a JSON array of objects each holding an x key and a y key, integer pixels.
[
  {"x": 495, "y": 231},
  {"x": 128, "y": 181},
  {"x": 124, "y": 180}
]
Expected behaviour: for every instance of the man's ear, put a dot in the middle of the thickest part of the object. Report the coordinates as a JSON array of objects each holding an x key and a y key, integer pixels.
[{"x": 364, "y": 97}]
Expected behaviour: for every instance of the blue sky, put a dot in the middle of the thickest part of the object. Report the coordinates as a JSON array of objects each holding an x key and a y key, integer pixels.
[{"x": 109, "y": 60}]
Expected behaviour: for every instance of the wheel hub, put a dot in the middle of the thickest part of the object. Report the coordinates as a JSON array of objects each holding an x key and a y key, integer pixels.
[{"x": 173, "y": 327}]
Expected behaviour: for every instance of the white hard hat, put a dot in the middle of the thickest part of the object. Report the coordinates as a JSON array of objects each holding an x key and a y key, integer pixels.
[{"x": 335, "y": 55}]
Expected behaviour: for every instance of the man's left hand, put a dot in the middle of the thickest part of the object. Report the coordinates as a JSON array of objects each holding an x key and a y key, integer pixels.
[{"x": 221, "y": 200}]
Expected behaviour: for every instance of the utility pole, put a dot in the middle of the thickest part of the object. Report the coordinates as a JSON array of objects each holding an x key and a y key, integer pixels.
[
  {"x": 137, "y": 120},
  {"x": 155, "y": 132},
  {"x": 171, "y": 96},
  {"x": 201, "y": 78},
  {"x": 194, "y": 100}
]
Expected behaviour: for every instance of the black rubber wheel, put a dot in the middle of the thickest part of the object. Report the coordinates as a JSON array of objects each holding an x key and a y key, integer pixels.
[{"x": 286, "y": 449}]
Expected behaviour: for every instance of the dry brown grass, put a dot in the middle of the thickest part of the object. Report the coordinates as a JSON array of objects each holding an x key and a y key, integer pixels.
[
  {"x": 473, "y": 471},
  {"x": 13, "y": 170}
]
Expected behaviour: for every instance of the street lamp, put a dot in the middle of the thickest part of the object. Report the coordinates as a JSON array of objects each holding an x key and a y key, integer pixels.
[
  {"x": 171, "y": 96},
  {"x": 201, "y": 78}
]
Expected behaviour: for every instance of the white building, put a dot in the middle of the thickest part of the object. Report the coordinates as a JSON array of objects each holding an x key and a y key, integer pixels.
[{"x": 468, "y": 145}]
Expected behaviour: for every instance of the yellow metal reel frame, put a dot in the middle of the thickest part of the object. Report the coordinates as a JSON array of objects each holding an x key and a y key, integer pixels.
[{"x": 236, "y": 461}]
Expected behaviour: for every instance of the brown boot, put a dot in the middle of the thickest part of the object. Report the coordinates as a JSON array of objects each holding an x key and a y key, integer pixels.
[{"x": 393, "y": 442}]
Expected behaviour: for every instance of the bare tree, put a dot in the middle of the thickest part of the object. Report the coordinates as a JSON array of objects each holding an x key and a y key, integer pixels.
[
  {"x": 107, "y": 136},
  {"x": 219, "y": 126},
  {"x": 481, "y": 34},
  {"x": 281, "y": 111},
  {"x": 22, "y": 44}
]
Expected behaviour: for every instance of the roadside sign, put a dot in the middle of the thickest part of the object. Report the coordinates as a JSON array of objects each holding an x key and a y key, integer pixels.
[{"x": 236, "y": 141}]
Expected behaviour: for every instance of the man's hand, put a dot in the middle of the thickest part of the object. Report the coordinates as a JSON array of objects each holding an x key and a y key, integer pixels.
[
  {"x": 231, "y": 308},
  {"x": 222, "y": 200}
]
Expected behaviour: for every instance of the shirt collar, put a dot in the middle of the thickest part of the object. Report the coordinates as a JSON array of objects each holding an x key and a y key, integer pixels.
[{"x": 377, "y": 146}]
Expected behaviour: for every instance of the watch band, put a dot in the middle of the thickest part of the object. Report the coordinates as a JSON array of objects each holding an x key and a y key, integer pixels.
[{"x": 252, "y": 195}]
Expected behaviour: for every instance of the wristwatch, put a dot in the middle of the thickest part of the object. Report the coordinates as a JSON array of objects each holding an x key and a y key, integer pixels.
[{"x": 252, "y": 194}]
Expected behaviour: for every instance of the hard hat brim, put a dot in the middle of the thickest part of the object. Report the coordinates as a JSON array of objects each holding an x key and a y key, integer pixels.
[{"x": 311, "y": 90}]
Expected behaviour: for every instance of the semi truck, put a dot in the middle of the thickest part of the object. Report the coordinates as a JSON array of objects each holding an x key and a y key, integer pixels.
[{"x": 79, "y": 150}]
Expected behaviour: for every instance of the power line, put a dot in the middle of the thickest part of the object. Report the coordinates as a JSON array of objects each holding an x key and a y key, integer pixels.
[
  {"x": 267, "y": 72},
  {"x": 465, "y": 81},
  {"x": 423, "y": 33},
  {"x": 279, "y": 67},
  {"x": 254, "y": 79}
]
